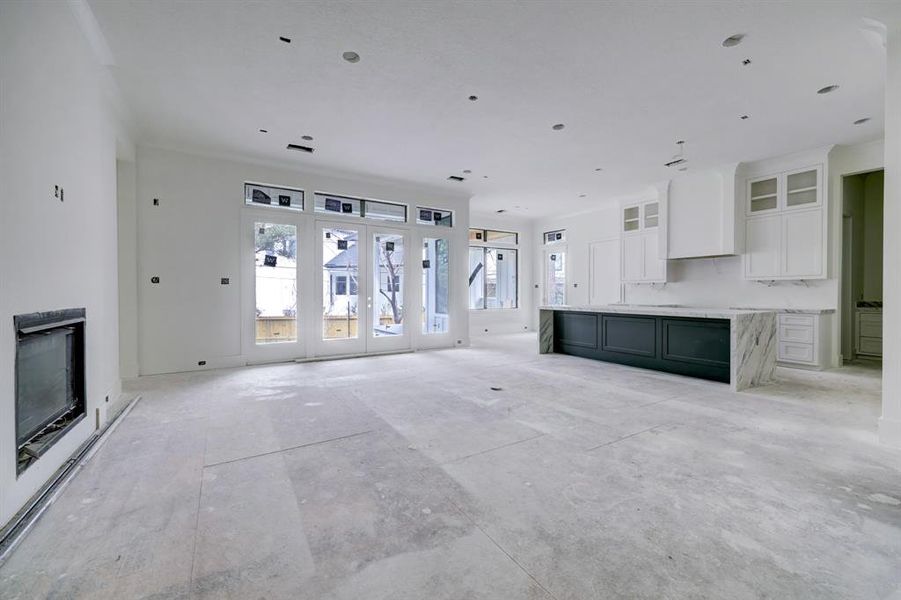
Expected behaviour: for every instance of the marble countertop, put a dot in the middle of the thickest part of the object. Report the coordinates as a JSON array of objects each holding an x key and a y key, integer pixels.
[
  {"x": 676, "y": 311},
  {"x": 803, "y": 311}
]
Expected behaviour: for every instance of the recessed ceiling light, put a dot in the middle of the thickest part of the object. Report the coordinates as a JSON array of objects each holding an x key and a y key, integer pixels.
[
  {"x": 473, "y": 98},
  {"x": 308, "y": 138},
  {"x": 599, "y": 169},
  {"x": 558, "y": 126},
  {"x": 744, "y": 117},
  {"x": 264, "y": 131},
  {"x": 484, "y": 177},
  {"x": 733, "y": 40},
  {"x": 581, "y": 195},
  {"x": 861, "y": 121},
  {"x": 467, "y": 171},
  {"x": 746, "y": 62},
  {"x": 351, "y": 57},
  {"x": 827, "y": 89},
  {"x": 501, "y": 210},
  {"x": 285, "y": 39}
]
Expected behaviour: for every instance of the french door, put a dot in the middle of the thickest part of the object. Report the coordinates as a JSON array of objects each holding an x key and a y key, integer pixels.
[
  {"x": 362, "y": 287},
  {"x": 274, "y": 299}
]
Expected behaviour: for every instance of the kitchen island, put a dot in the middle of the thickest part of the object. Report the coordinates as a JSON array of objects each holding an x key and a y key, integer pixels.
[{"x": 737, "y": 347}]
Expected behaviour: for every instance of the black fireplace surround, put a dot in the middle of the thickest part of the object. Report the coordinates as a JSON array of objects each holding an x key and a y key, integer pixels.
[{"x": 50, "y": 379}]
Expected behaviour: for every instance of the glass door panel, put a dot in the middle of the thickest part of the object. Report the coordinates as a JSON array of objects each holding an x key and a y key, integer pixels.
[
  {"x": 386, "y": 290},
  {"x": 500, "y": 278},
  {"x": 555, "y": 278},
  {"x": 388, "y": 281},
  {"x": 275, "y": 292},
  {"x": 435, "y": 281},
  {"x": 340, "y": 283}
]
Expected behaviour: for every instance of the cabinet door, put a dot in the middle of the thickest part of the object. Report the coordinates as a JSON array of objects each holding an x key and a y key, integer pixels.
[
  {"x": 763, "y": 242},
  {"x": 802, "y": 244},
  {"x": 763, "y": 195},
  {"x": 654, "y": 268},
  {"x": 633, "y": 258},
  {"x": 803, "y": 188},
  {"x": 631, "y": 218}
]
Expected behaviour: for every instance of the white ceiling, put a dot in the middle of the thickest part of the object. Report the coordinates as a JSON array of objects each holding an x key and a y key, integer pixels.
[{"x": 627, "y": 78}]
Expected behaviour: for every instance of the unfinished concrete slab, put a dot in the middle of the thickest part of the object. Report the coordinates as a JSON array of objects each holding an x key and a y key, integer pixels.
[{"x": 408, "y": 476}]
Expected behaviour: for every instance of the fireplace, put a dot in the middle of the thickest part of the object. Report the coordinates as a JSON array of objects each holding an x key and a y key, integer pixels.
[{"x": 50, "y": 386}]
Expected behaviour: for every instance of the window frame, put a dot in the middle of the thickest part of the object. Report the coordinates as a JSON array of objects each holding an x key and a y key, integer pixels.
[
  {"x": 484, "y": 239},
  {"x": 362, "y": 210},
  {"x": 485, "y": 249},
  {"x": 273, "y": 187},
  {"x": 433, "y": 223},
  {"x": 560, "y": 237}
]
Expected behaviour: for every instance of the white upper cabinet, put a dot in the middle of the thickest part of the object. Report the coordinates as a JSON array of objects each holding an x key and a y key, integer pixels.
[
  {"x": 785, "y": 226},
  {"x": 802, "y": 239},
  {"x": 763, "y": 247},
  {"x": 641, "y": 256},
  {"x": 763, "y": 195},
  {"x": 803, "y": 189}
]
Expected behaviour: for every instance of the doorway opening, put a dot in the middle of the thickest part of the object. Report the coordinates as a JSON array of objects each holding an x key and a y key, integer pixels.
[{"x": 862, "y": 260}]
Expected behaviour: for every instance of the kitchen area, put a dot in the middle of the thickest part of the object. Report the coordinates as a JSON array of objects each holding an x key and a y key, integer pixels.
[{"x": 723, "y": 247}]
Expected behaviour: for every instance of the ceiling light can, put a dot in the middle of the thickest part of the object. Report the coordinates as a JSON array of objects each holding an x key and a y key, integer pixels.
[
  {"x": 828, "y": 89},
  {"x": 351, "y": 56},
  {"x": 861, "y": 121},
  {"x": 558, "y": 126},
  {"x": 733, "y": 40}
]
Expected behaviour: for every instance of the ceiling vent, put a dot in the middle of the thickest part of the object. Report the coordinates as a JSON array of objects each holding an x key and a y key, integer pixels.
[
  {"x": 455, "y": 178},
  {"x": 299, "y": 148},
  {"x": 678, "y": 159}
]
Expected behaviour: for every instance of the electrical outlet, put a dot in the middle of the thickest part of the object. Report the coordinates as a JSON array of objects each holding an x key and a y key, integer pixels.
[
  {"x": 224, "y": 281},
  {"x": 154, "y": 279},
  {"x": 62, "y": 194},
  {"x": 201, "y": 363},
  {"x": 156, "y": 201}
]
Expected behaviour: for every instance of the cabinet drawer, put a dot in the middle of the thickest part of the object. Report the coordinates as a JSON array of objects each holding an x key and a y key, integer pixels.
[
  {"x": 796, "y": 333},
  {"x": 794, "y": 352},
  {"x": 870, "y": 317},
  {"x": 796, "y": 320},
  {"x": 869, "y": 346},
  {"x": 870, "y": 329}
]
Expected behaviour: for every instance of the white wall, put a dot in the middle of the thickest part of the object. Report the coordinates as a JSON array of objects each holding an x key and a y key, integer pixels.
[
  {"x": 581, "y": 230},
  {"x": 59, "y": 127},
  {"x": 193, "y": 238},
  {"x": 488, "y": 322}
]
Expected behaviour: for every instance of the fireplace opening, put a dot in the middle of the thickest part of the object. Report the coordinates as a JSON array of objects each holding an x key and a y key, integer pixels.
[{"x": 50, "y": 386}]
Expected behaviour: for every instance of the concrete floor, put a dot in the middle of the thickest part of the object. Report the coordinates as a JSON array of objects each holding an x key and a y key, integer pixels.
[{"x": 408, "y": 477}]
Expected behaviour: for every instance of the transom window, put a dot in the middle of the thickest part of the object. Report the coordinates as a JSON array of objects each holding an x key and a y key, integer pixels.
[
  {"x": 258, "y": 194},
  {"x": 349, "y": 206},
  {"x": 555, "y": 237},
  {"x": 437, "y": 217},
  {"x": 493, "y": 236}
]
